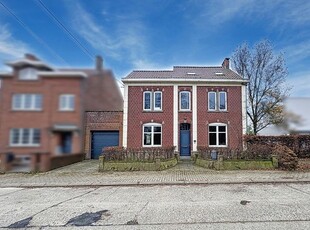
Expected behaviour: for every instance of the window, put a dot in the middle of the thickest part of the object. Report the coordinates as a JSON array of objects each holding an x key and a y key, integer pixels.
[
  {"x": 185, "y": 100},
  {"x": 152, "y": 100},
  {"x": 28, "y": 74},
  {"x": 25, "y": 137},
  {"x": 151, "y": 134},
  {"x": 66, "y": 102},
  {"x": 218, "y": 135},
  {"x": 212, "y": 101},
  {"x": 223, "y": 101},
  {"x": 27, "y": 102},
  {"x": 147, "y": 100},
  {"x": 217, "y": 101}
]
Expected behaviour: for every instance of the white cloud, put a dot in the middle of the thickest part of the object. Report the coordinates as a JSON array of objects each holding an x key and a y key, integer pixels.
[
  {"x": 300, "y": 83},
  {"x": 297, "y": 51},
  {"x": 279, "y": 13},
  {"x": 126, "y": 40},
  {"x": 9, "y": 46}
]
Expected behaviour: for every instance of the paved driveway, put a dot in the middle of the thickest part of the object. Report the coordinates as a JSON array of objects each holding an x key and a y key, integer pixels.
[{"x": 86, "y": 166}]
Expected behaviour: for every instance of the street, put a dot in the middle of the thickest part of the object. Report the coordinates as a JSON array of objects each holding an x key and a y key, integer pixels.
[{"x": 238, "y": 206}]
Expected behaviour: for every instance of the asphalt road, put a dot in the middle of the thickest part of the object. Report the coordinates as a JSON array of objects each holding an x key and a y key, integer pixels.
[{"x": 255, "y": 206}]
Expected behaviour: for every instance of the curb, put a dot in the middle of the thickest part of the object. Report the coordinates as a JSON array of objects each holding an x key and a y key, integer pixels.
[{"x": 155, "y": 184}]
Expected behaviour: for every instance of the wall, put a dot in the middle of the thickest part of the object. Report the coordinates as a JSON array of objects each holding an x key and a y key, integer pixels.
[
  {"x": 50, "y": 88},
  {"x": 102, "y": 121},
  {"x": 137, "y": 117}
]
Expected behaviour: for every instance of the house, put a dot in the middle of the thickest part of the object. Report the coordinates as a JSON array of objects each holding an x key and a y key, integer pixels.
[
  {"x": 52, "y": 111},
  {"x": 296, "y": 118},
  {"x": 185, "y": 107}
]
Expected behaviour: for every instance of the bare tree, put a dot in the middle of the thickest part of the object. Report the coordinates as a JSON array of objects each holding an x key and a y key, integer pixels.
[{"x": 266, "y": 89}]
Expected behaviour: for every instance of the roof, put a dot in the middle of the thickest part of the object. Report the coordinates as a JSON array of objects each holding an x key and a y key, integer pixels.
[
  {"x": 185, "y": 73},
  {"x": 25, "y": 62}
]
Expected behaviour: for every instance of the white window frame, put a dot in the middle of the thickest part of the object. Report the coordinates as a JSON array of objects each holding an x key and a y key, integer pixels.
[
  {"x": 217, "y": 134},
  {"x": 145, "y": 92},
  {"x": 161, "y": 101},
  {"x": 67, "y": 98},
  {"x": 21, "y": 137},
  {"x": 28, "y": 74},
  {"x": 23, "y": 102},
  {"x": 219, "y": 104},
  {"x": 215, "y": 104},
  {"x": 152, "y": 125},
  {"x": 189, "y": 100}
]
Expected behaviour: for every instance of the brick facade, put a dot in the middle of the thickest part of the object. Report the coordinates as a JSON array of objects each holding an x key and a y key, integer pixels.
[
  {"x": 198, "y": 81},
  {"x": 102, "y": 121},
  {"x": 50, "y": 89},
  {"x": 138, "y": 117}
]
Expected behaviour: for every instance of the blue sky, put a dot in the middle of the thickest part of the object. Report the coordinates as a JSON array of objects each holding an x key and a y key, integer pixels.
[{"x": 155, "y": 34}]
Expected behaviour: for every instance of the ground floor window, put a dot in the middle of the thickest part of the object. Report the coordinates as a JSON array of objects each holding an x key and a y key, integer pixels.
[
  {"x": 218, "y": 135},
  {"x": 152, "y": 134},
  {"x": 25, "y": 137}
]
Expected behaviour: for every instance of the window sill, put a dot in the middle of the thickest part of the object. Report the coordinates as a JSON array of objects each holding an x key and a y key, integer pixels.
[
  {"x": 218, "y": 146},
  {"x": 23, "y": 146},
  {"x": 27, "y": 110},
  {"x": 151, "y": 146},
  {"x": 152, "y": 111},
  {"x": 66, "y": 110},
  {"x": 217, "y": 111}
]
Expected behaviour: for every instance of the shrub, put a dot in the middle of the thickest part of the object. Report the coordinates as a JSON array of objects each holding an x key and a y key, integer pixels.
[
  {"x": 138, "y": 154},
  {"x": 299, "y": 144},
  {"x": 258, "y": 151},
  {"x": 287, "y": 158}
]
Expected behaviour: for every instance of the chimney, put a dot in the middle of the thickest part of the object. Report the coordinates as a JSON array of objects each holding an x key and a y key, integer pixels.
[
  {"x": 225, "y": 63},
  {"x": 31, "y": 57},
  {"x": 99, "y": 63}
]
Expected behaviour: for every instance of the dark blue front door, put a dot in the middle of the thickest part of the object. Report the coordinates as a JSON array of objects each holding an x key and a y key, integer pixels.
[
  {"x": 101, "y": 139},
  {"x": 66, "y": 142},
  {"x": 185, "y": 134}
]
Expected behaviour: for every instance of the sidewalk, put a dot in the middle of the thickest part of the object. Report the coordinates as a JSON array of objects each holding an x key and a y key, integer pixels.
[{"x": 86, "y": 174}]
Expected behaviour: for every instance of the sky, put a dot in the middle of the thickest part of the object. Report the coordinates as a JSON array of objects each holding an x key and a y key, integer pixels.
[{"x": 155, "y": 34}]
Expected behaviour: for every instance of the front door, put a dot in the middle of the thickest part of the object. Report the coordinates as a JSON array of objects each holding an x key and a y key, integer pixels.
[
  {"x": 66, "y": 142},
  {"x": 185, "y": 137}
]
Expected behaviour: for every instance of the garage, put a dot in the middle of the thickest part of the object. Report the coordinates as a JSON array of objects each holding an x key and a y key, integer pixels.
[{"x": 101, "y": 139}]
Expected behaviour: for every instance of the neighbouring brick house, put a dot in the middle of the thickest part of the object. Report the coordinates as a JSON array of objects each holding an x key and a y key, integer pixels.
[
  {"x": 47, "y": 110},
  {"x": 186, "y": 107}
]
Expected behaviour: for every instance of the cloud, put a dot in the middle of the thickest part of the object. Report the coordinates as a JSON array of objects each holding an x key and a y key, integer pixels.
[
  {"x": 297, "y": 51},
  {"x": 279, "y": 13},
  {"x": 9, "y": 46},
  {"x": 124, "y": 41},
  {"x": 300, "y": 83}
]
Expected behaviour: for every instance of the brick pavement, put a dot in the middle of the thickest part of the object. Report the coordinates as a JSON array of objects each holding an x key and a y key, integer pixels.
[{"x": 86, "y": 174}]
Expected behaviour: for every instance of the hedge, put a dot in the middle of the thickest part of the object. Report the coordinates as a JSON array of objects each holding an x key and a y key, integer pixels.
[{"x": 299, "y": 144}]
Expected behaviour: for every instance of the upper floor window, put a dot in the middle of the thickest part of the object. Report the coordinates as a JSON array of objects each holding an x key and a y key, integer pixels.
[
  {"x": 66, "y": 102},
  {"x": 28, "y": 74},
  {"x": 25, "y": 137},
  {"x": 27, "y": 102},
  {"x": 222, "y": 101},
  {"x": 152, "y": 134},
  {"x": 217, "y": 135},
  {"x": 185, "y": 100},
  {"x": 212, "y": 101},
  {"x": 152, "y": 100},
  {"x": 217, "y": 101}
]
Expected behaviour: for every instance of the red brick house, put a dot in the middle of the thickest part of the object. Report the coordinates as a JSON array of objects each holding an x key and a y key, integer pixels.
[
  {"x": 47, "y": 110},
  {"x": 186, "y": 107}
]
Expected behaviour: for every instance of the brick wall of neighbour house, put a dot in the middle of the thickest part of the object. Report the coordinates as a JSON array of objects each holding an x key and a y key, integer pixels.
[
  {"x": 50, "y": 88},
  {"x": 137, "y": 117},
  {"x": 232, "y": 117},
  {"x": 185, "y": 116},
  {"x": 102, "y": 121}
]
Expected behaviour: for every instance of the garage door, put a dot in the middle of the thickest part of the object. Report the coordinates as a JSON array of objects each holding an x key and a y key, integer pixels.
[{"x": 101, "y": 139}]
